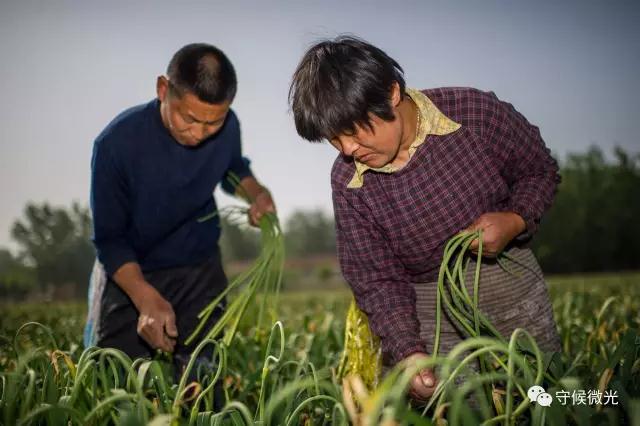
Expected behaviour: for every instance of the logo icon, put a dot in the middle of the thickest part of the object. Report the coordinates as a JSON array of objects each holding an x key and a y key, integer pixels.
[{"x": 538, "y": 394}]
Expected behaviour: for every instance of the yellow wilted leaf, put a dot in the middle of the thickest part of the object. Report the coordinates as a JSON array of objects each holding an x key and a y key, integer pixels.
[
  {"x": 362, "y": 355},
  {"x": 55, "y": 355}
]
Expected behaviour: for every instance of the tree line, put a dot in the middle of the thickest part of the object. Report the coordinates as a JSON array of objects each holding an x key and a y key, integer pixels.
[{"x": 593, "y": 226}]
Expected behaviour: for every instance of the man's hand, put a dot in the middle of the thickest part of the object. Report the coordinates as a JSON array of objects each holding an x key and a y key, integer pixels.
[
  {"x": 262, "y": 204},
  {"x": 424, "y": 383},
  {"x": 499, "y": 228},
  {"x": 258, "y": 196},
  {"x": 156, "y": 320}
]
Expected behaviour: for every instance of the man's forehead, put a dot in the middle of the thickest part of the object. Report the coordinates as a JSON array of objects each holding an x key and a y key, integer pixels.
[{"x": 193, "y": 107}]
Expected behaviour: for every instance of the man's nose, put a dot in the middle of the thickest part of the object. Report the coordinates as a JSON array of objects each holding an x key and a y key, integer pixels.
[{"x": 197, "y": 132}]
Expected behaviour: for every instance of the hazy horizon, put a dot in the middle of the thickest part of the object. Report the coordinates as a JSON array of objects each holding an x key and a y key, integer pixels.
[{"x": 69, "y": 67}]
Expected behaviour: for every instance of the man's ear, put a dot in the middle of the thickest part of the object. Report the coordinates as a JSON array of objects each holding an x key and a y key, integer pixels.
[
  {"x": 162, "y": 88},
  {"x": 395, "y": 96}
]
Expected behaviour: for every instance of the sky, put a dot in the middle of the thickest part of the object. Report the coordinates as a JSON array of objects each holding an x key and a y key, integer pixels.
[{"x": 571, "y": 67}]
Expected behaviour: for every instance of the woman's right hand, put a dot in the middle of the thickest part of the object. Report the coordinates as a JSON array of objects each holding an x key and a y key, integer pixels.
[{"x": 424, "y": 383}]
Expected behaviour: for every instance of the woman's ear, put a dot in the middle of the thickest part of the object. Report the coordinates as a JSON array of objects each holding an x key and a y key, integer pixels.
[{"x": 395, "y": 95}]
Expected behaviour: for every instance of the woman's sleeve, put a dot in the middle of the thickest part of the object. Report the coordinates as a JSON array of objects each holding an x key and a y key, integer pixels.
[
  {"x": 379, "y": 282},
  {"x": 525, "y": 163}
]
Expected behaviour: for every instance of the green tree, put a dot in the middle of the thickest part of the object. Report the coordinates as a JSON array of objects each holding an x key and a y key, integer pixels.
[
  {"x": 238, "y": 242},
  {"x": 593, "y": 224},
  {"x": 310, "y": 232},
  {"x": 16, "y": 279},
  {"x": 56, "y": 243}
]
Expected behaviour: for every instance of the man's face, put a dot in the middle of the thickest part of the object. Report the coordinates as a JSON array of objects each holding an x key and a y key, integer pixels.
[
  {"x": 189, "y": 120},
  {"x": 374, "y": 147}
]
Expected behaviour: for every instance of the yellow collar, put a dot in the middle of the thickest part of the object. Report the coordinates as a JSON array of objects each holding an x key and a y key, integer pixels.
[{"x": 432, "y": 122}]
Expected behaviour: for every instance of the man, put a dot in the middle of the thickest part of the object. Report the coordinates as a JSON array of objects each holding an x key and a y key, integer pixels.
[
  {"x": 415, "y": 168},
  {"x": 154, "y": 169}
]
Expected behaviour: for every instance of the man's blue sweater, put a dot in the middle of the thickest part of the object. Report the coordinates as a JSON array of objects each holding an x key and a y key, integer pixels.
[{"x": 148, "y": 191}]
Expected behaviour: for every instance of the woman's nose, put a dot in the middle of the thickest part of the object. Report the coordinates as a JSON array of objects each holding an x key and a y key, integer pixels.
[{"x": 349, "y": 146}]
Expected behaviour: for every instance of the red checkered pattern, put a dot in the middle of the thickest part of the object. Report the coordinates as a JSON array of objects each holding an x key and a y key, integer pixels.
[{"x": 392, "y": 231}]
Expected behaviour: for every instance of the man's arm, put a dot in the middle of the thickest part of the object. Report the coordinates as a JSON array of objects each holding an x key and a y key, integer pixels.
[
  {"x": 249, "y": 188},
  {"x": 156, "y": 319},
  {"x": 110, "y": 208},
  {"x": 258, "y": 196}
]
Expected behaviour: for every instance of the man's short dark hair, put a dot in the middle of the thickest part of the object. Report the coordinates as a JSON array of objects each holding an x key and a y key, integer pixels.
[
  {"x": 338, "y": 83},
  {"x": 203, "y": 70}
]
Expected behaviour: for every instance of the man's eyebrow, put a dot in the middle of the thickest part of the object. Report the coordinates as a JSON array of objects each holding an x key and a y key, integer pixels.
[{"x": 206, "y": 122}]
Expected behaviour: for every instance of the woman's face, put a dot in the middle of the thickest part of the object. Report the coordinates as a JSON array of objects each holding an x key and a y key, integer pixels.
[
  {"x": 380, "y": 144},
  {"x": 375, "y": 146}
]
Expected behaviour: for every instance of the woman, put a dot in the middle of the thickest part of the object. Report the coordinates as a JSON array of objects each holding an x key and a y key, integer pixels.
[{"x": 414, "y": 169}]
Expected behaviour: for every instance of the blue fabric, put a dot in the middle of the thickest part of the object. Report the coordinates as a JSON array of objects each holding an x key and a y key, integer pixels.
[{"x": 148, "y": 191}]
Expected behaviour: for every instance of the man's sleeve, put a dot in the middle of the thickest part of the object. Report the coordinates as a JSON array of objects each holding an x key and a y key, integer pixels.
[
  {"x": 526, "y": 165},
  {"x": 110, "y": 208},
  {"x": 378, "y": 280},
  {"x": 239, "y": 165}
]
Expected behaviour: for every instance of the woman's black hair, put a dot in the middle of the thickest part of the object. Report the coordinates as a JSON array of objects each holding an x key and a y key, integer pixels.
[{"x": 338, "y": 83}]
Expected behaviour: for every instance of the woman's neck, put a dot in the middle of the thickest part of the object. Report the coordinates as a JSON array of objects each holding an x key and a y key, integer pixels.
[{"x": 408, "y": 111}]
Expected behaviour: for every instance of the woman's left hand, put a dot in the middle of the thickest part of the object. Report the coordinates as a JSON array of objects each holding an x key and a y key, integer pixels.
[{"x": 498, "y": 229}]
